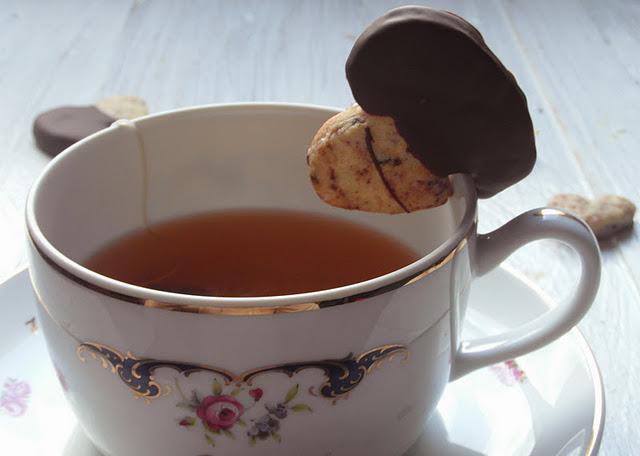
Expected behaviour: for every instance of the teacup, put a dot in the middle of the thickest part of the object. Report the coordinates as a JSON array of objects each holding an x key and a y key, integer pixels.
[{"x": 351, "y": 370}]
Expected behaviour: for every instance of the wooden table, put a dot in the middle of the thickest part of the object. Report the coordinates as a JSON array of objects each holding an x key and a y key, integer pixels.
[{"x": 578, "y": 62}]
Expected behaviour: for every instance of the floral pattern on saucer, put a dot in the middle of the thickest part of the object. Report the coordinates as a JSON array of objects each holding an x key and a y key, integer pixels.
[
  {"x": 509, "y": 373},
  {"x": 14, "y": 397}
]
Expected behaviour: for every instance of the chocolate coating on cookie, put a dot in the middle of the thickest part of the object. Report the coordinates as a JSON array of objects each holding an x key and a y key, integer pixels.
[
  {"x": 59, "y": 128},
  {"x": 459, "y": 109}
]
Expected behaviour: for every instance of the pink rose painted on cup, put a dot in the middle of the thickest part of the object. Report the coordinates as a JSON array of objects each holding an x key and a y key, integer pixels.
[{"x": 219, "y": 412}]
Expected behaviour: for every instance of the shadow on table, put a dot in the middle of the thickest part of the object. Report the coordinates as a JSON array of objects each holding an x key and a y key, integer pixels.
[{"x": 618, "y": 239}]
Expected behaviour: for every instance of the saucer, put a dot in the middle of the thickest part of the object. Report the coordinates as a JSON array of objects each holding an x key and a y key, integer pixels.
[{"x": 549, "y": 402}]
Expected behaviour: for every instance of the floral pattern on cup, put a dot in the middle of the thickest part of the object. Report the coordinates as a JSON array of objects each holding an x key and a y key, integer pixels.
[
  {"x": 14, "y": 398},
  {"x": 230, "y": 407},
  {"x": 236, "y": 406}
]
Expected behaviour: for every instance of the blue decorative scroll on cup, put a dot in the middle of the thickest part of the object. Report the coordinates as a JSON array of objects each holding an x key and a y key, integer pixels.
[{"x": 322, "y": 373}]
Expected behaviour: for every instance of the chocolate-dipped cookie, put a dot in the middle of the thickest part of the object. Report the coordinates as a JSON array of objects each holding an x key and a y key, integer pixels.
[
  {"x": 59, "y": 128},
  {"x": 457, "y": 107}
]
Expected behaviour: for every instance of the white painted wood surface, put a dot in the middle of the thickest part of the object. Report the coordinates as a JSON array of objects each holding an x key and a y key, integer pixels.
[{"x": 578, "y": 62}]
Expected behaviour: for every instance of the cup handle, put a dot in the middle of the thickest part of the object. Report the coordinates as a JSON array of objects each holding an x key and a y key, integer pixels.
[{"x": 492, "y": 248}]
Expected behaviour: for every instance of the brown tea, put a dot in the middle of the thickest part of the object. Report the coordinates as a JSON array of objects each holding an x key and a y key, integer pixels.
[{"x": 251, "y": 253}]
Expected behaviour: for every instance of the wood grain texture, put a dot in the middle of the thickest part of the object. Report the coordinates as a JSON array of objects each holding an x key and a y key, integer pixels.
[{"x": 578, "y": 62}]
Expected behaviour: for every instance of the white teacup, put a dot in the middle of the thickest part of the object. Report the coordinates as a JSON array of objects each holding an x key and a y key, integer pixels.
[{"x": 352, "y": 370}]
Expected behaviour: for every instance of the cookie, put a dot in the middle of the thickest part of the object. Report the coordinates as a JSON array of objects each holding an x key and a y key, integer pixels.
[
  {"x": 359, "y": 161},
  {"x": 453, "y": 101},
  {"x": 123, "y": 106},
  {"x": 606, "y": 215},
  {"x": 59, "y": 128}
]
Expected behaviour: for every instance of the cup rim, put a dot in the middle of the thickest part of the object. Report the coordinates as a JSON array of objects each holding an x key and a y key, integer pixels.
[{"x": 259, "y": 305}]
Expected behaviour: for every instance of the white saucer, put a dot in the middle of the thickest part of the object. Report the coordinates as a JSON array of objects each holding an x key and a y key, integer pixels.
[{"x": 549, "y": 402}]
